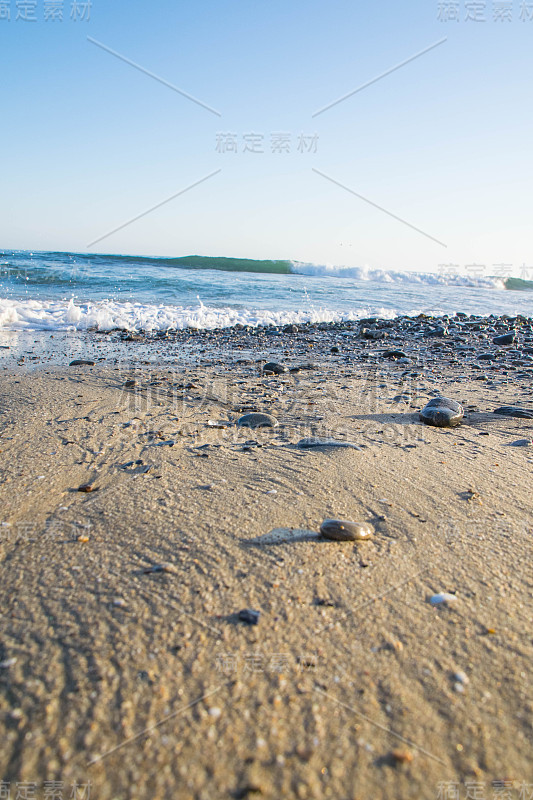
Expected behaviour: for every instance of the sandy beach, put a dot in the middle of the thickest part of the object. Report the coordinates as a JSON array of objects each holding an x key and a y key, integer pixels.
[{"x": 125, "y": 671}]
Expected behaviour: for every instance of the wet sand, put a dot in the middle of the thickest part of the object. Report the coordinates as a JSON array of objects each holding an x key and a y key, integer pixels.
[{"x": 123, "y": 663}]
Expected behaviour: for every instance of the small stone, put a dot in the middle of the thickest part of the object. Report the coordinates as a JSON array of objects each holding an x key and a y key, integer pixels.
[
  {"x": 119, "y": 602},
  {"x": 130, "y": 384},
  {"x": 78, "y": 362},
  {"x": 83, "y": 538},
  {"x": 257, "y": 420},
  {"x": 461, "y": 677},
  {"x": 334, "y": 350},
  {"x": 144, "y": 470},
  {"x": 441, "y": 412},
  {"x": 301, "y": 367},
  {"x": 249, "y": 616},
  {"x": 86, "y": 488},
  {"x": 273, "y": 368},
  {"x": 10, "y": 662},
  {"x": 160, "y": 568},
  {"x": 514, "y": 411},
  {"x": 443, "y": 599},
  {"x": 506, "y": 338},
  {"x": 373, "y": 335},
  {"x": 402, "y": 756},
  {"x": 340, "y": 530},
  {"x": 314, "y": 441},
  {"x": 394, "y": 354},
  {"x": 246, "y": 791}
]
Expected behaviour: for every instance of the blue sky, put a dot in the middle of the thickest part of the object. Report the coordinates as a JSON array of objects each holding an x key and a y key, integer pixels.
[{"x": 444, "y": 142}]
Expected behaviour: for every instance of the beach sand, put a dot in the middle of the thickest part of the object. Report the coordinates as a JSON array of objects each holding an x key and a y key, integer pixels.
[{"x": 145, "y": 684}]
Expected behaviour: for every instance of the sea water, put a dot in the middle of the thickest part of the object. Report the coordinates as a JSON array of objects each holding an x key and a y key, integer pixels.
[{"x": 73, "y": 291}]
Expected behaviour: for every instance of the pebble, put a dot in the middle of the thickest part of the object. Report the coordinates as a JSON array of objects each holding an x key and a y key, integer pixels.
[
  {"x": 461, "y": 677},
  {"x": 130, "y": 384},
  {"x": 373, "y": 335},
  {"x": 514, "y": 411},
  {"x": 313, "y": 441},
  {"x": 257, "y": 420},
  {"x": 441, "y": 412},
  {"x": 443, "y": 599},
  {"x": 144, "y": 470},
  {"x": 10, "y": 662},
  {"x": 273, "y": 368},
  {"x": 78, "y": 362},
  {"x": 506, "y": 338},
  {"x": 249, "y": 616},
  {"x": 402, "y": 756},
  {"x": 86, "y": 487},
  {"x": 340, "y": 530},
  {"x": 160, "y": 568},
  {"x": 301, "y": 367}
]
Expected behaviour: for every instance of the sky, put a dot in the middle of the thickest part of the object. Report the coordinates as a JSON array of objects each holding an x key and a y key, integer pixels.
[{"x": 427, "y": 166}]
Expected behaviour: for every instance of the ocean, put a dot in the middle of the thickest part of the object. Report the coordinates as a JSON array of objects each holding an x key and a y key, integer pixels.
[{"x": 76, "y": 291}]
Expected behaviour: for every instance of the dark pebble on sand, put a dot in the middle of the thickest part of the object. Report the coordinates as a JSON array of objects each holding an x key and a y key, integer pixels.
[
  {"x": 78, "y": 362},
  {"x": 273, "y": 368},
  {"x": 86, "y": 487},
  {"x": 441, "y": 412},
  {"x": 373, "y": 335},
  {"x": 514, "y": 411},
  {"x": 257, "y": 420},
  {"x": 394, "y": 354},
  {"x": 301, "y": 367},
  {"x": 506, "y": 338},
  {"x": 340, "y": 530},
  {"x": 249, "y": 616}
]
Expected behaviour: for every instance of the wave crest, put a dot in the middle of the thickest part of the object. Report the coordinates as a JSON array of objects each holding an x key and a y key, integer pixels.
[{"x": 390, "y": 276}]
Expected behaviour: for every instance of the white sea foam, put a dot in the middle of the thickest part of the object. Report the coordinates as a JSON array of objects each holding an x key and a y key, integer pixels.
[
  {"x": 107, "y": 315},
  {"x": 389, "y": 276}
]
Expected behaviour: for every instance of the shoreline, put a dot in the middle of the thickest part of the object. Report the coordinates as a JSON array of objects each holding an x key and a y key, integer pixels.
[
  {"x": 420, "y": 331},
  {"x": 352, "y": 684}
]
